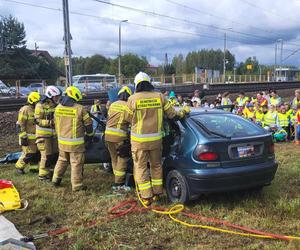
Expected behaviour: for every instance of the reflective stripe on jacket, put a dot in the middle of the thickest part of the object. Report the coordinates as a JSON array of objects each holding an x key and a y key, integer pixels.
[
  {"x": 146, "y": 114},
  {"x": 43, "y": 114},
  {"x": 70, "y": 123},
  {"x": 117, "y": 127},
  {"x": 26, "y": 122}
]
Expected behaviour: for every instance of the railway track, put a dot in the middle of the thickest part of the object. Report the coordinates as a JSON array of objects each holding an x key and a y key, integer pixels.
[{"x": 14, "y": 104}]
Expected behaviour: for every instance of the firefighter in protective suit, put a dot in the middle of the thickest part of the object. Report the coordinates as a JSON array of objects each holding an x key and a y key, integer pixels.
[
  {"x": 30, "y": 154},
  {"x": 74, "y": 127},
  {"x": 116, "y": 133},
  {"x": 146, "y": 112},
  {"x": 46, "y": 138}
]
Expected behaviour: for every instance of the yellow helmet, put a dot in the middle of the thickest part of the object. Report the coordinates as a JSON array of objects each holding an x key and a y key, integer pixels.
[
  {"x": 141, "y": 77},
  {"x": 125, "y": 89},
  {"x": 33, "y": 97},
  {"x": 74, "y": 93}
]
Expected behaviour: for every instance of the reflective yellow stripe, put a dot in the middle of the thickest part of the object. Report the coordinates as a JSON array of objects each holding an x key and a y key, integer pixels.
[
  {"x": 157, "y": 182},
  {"x": 31, "y": 136},
  {"x": 44, "y": 131},
  {"x": 119, "y": 173},
  {"x": 144, "y": 186},
  {"x": 146, "y": 137},
  {"x": 74, "y": 127},
  {"x": 167, "y": 106},
  {"x": 159, "y": 119},
  {"x": 22, "y": 134},
  {"x": 69, "y": 141},
  {"x": 139, "y": 122},
  {"x": 120, "y": 121},
  {"x": 114, "y": 133},
  {"x": 90, "y": 134},
  {"x": 86, "y": 117}
]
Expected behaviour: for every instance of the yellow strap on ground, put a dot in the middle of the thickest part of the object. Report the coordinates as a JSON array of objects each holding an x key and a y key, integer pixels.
[{"x": 180, "y": 207}]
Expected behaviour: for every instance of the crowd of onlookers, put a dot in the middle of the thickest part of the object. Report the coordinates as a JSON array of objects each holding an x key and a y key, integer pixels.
[{"x": 264, "y": 108}]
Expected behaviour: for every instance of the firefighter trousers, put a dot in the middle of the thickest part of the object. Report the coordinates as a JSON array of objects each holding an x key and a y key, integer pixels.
[
  {"x": 76, "y": 160},
  {"x": 48, "y": 148},
  {"x": 149, "y": 183},
  {"x": 28, "y": 153},
  {"x": 119, "y": 164}
]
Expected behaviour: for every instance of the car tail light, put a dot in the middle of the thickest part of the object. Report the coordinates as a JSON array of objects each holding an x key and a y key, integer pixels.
[
  {"x": 272, "y": 148},
  {"x": 208, "y": 156}
]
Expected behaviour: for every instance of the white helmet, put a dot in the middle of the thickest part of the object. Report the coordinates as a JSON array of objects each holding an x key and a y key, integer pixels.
[
  {"x": 52, "y": 91},
  {"x": 141, "y": 77}
]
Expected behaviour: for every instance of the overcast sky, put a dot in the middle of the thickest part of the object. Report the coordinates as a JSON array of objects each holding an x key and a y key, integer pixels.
[{"x": 252, "y": 27}]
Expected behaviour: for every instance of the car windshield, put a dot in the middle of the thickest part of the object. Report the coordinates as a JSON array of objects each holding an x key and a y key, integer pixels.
[{"x": 227, "y": 125}]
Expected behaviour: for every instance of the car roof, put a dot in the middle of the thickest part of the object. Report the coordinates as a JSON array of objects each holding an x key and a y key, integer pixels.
[{"x": 198, "y": 111}]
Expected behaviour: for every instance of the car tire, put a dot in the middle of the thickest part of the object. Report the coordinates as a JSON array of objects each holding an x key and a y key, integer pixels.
[{"x": 177, "y": 188}]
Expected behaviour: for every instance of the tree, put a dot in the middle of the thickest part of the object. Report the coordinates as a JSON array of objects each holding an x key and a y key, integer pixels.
[
  {"x": 131, "y": 64},
  {"x": 12, "y": 33},
  {"x": 96, "y": 64}
]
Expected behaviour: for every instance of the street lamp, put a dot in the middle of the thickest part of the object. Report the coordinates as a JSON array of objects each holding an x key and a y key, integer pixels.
[{"x": 120, "y": 25}]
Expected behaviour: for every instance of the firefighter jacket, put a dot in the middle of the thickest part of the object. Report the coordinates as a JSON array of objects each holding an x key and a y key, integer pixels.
[
  {"x": 283, "y": 120},
  {"x": 145, "y": 114},
  {"x": 43, "y": 114},
  {"x": 72, "y": 123},
  {"x": 270, "y": 118},
  {"x": 26, "y": 122},
  {"x": 117, "y": 127}
]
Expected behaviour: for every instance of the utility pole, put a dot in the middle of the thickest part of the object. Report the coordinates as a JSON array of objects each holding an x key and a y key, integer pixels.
[
  {"x": 67, "y": 39},
  {"x": 35, "y": 48},
  {"x": 224, "y": 59},
  {"x": 275, "y": 66},
  {"x": 281, "y": 53},
  {"x": 120, "y": 54}
]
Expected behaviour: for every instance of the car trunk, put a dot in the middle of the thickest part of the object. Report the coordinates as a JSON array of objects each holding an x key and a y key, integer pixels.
[{"x": 238, "y": 152}]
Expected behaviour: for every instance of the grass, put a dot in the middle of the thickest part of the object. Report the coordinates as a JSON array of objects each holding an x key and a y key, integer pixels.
[{"x": 274, "y": 209}]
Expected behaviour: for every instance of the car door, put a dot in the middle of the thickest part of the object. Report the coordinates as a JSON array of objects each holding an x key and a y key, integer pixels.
[{"x": 96, "y": 151}]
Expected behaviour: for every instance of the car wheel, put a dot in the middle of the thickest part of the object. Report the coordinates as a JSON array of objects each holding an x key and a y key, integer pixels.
[{"x": 177, "y": 188}]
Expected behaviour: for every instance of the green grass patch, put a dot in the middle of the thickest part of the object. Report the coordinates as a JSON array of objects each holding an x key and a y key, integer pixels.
[{"x": 275, "y": 209}]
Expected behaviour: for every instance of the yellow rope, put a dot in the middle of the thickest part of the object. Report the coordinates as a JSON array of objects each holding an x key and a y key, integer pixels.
[{"x": 176, "y": 209}]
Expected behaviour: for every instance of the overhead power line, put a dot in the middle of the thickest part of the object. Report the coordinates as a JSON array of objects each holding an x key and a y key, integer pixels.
[
  {"x": 116, "y": 21},
  {"x": 195, "y": 10},
  {"x": 185, "y": 21}
]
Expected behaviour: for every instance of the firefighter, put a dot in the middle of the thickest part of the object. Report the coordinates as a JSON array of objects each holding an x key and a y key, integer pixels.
[
  {"x": 145, "y": 114},
  {"x": 74, "y": 128},
  {"x": 116, "y": 134},
  {"x": 26, "y": 125},
  {"x": 46, "y": 138}
]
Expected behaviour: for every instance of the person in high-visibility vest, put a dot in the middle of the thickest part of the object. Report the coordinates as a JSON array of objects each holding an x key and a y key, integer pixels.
[
  {"x": 296, "y": 100},
  {"x": 248, "y": 112},
  {"x": 46, "y": 138},
  {"x": 242, "y": 99},
  {"x": 27, "y": 137},
  {"x": 297, "y": 136},
  {"x": 261, "y": 100},
  {"x": 275, "y": 99},
  {"x": 259, "y": 115},
  {"x": 74, "y": 129},
  {"x": 283, "y": 121},
  {"x": 116, "y": 134},
  {"x": 146, "y": 113},
  {"x": 270, "y": 118},
  {"x": 97, "y": 111}
]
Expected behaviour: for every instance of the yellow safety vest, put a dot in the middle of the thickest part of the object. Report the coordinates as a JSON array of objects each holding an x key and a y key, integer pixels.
[
  {"x": 270, "y": 118},
  {"x": 259, "y": 116},
  {"x": 283, "y": 120}
]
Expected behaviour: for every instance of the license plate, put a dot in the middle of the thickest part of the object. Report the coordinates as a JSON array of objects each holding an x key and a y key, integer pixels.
[{"x": 245, "y": 151}]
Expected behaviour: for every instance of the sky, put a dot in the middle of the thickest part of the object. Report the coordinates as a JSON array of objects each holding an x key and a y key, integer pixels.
[{"x": 252, "y": 27}]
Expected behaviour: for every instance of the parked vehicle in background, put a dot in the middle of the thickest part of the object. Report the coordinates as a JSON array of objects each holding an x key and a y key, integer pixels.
[
  {"x": 5, "y": 90},
  {"x": 94, "y": 83},
  {"x": 38, "y": 87}
]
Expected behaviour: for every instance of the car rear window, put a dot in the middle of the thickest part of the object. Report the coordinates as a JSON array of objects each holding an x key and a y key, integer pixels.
[{"x": 229, "y": 125}]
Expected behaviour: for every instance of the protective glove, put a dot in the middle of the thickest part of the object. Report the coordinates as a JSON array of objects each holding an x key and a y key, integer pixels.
[{"x": 23, "y": 140}]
